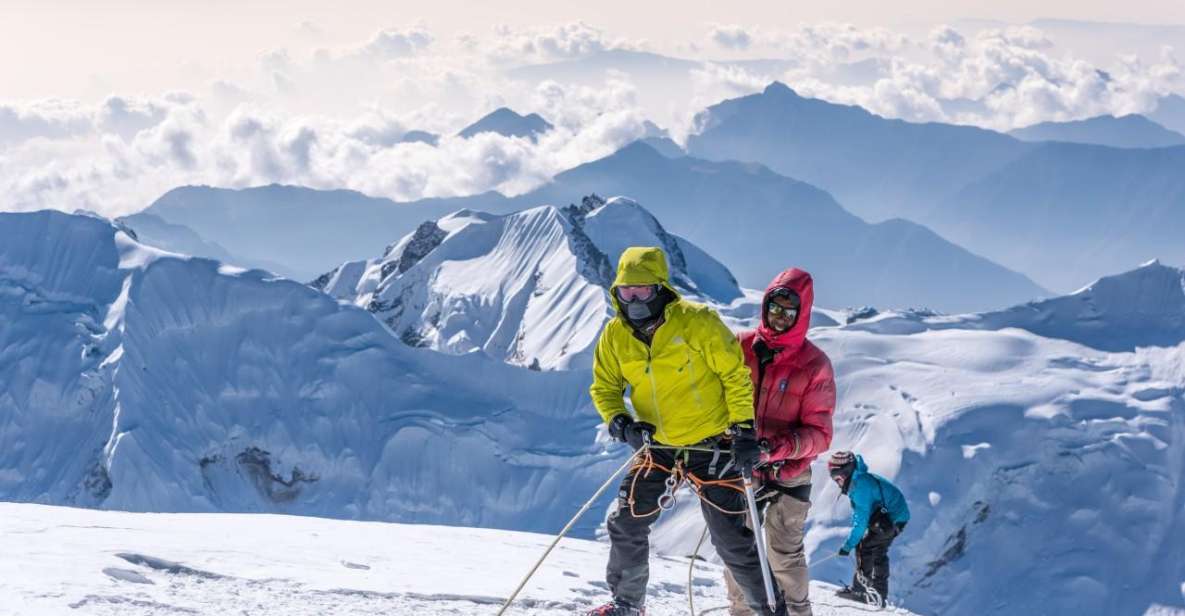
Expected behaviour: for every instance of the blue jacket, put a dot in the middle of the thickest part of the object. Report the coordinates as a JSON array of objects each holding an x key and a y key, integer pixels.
[{"x": 869, "y": 492}]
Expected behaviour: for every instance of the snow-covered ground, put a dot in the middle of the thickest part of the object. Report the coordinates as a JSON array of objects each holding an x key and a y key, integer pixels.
[
  {"x": 59, "y": 560},
  {"x": 1038, "y": 445}
]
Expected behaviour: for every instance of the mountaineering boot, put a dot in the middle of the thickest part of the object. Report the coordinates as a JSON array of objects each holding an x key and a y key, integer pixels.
[
  {"x": 613, "y": 608},
  {"x": 860, "y": 596},
  {"x": 851, "y": 594}
]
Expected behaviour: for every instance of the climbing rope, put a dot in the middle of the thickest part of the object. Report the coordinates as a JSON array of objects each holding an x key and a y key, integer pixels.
[
  {"x": 871, "y": 595},
  {"x": 677, "y": 476},
  {"x": 644, "y": 450},
  {"x": 691, "y": 570}
]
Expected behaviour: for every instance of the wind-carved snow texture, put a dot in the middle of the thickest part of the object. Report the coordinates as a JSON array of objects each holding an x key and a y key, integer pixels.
[
  {"x": 528, "y": 288},
  {"x": 139, "y": 380}
]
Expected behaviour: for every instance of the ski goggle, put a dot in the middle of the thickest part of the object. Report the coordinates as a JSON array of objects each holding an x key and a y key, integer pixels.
[
  {"x": 775, "y": 309},
  {"x": 637, "y": 293}
]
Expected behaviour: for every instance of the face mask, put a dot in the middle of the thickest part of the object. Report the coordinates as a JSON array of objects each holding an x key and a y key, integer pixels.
[
  {"x": 636, "y": 308},
  {"x": 638, "y": 311}
]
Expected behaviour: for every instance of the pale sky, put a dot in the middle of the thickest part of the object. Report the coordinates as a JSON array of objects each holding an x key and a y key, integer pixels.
[
  {"x": 79, "y": 48},
  {"x": 106, "y": 105}
]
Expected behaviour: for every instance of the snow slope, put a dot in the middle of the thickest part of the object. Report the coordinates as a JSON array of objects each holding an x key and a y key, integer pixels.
[
  {"x": 139, "y": 380},
  {"x": 60, "y": 560},
  {"x": 1143, "y": 307},
  {"x": 528, "y": 288},
  {"x": 1038, "y": 446},
  {"x": 1041, "y": 449}
]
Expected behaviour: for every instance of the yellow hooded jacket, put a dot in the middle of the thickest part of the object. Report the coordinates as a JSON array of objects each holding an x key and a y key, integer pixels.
[{"x": 691, "y": 382}]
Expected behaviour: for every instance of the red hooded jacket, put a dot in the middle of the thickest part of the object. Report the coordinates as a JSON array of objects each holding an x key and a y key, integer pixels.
[{"x": 794, "y": 396}]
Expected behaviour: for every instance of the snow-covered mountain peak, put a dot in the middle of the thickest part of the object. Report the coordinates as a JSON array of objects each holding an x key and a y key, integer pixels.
[
  {"x": 529, "y": 288},
  {"x": 1138, "y": 308}
]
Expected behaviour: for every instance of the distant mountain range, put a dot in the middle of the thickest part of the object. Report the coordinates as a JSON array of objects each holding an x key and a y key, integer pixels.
[
  {"x": 1060, "y": 212},
  {"x": 754, "y": 221},
  {"x": 1170, "y": 112},
  {"x": 1129, "y": 131},
  {"x": 306, "y": 231}
]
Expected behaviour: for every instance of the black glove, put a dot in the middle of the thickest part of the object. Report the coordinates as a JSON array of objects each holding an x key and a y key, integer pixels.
[
  {"x": 618, "y": 425},
  {"x": 745, "y": 451},
  {"x": 639, "y": 433},
  {"x": 899, "y": 527},
  {"x": 844, "y": 551},
  {"x": 623, "y": 428}
]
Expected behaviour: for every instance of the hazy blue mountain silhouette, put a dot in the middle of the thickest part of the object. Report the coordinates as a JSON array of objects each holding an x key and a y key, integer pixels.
[
  {"x": 751, "y": 219},
  {"x": 308, "y": 231},
  {"x": 160, "y": 233},
  {"x": 1170, "y": 112},
  {"x": 878, "y": 168},
  {"x": 758, "y": 222},
  {"x": 508, "y": 123},
  {"x": 1064, "y": 212},
  {"x": 1129, "y": 131},
  {"x": 420, "y": 136}
]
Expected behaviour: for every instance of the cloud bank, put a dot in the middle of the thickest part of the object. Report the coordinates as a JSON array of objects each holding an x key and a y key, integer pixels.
[{"x": 337, "y": 117}]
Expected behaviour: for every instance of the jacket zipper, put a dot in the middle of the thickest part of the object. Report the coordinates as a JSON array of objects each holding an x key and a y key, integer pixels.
[
  {"x": 699, "y": 400},
  {"x": 654, "y": 390}
]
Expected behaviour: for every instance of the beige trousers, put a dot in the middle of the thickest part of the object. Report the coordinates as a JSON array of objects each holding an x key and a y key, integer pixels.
[{"x": 785, "y": 524}]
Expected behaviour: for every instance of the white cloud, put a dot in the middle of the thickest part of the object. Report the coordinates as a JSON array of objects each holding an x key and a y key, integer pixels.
[
  {"x": 396, "y": 43},
  {"x": 1000, "y": 79},
  {"x": 531, "y": 45},
  {"x": 336, "y": 118},
  {"x": 730, "y": 36},
  {"x": 50, "y": 119},
  {"x": 254, "y": 146}
]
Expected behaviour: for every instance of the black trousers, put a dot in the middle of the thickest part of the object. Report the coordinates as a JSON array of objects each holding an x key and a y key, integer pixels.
[
  {"x": 629, "y": 569},
  {"x": 872, "y": 555}
]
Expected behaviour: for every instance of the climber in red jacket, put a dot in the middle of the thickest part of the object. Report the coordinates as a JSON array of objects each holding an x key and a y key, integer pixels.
[{"x": 794, "y": 398}]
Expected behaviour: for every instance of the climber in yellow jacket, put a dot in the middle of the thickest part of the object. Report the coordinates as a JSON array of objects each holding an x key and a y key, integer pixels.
[{"x": 689, "y": 386}]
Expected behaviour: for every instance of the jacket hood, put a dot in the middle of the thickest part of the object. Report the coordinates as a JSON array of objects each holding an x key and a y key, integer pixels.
[
  {"x": 641, "y": 265},
  {"x": 801, "y": 283},
  {"x": 860, "y": 468}
]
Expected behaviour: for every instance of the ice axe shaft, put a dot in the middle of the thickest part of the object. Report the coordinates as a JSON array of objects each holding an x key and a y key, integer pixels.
[{"x": 759, "y": 538}]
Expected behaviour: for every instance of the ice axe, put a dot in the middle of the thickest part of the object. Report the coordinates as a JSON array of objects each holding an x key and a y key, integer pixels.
[{"x": 759, "y": 537}]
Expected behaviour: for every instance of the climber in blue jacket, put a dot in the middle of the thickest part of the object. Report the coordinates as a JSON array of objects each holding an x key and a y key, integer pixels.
[{"x": 879, "y": 515}]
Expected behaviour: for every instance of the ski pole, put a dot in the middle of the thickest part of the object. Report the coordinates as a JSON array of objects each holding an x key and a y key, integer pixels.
[
  {"x": 759, "y": 537},
  {"x": 570, "y": 524}
]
